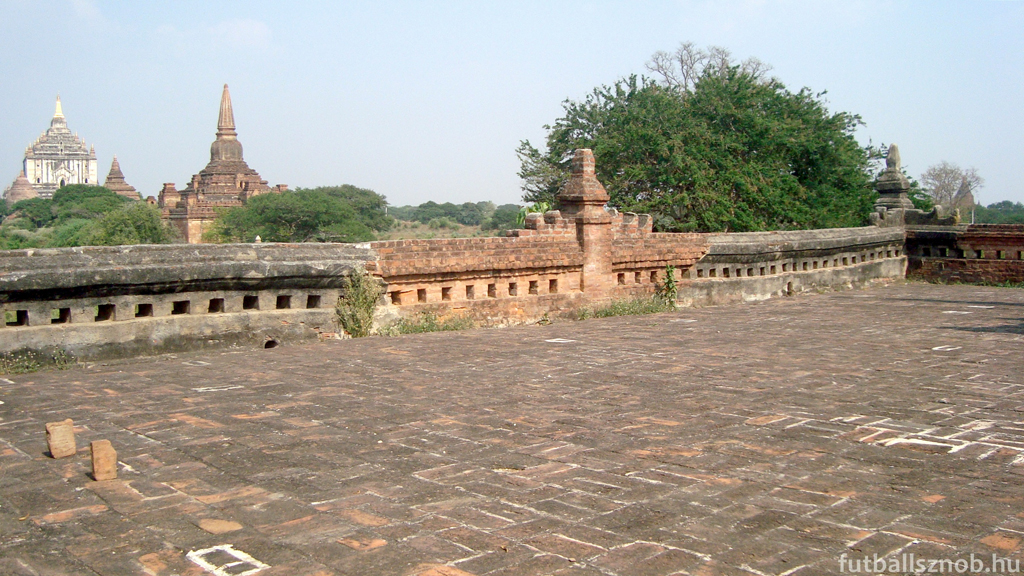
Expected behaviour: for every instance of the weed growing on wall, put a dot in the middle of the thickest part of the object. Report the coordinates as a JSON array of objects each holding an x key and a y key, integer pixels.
[
  {"x": 428, "y": 322},
  {"x": 632, "y": 307},
  {"x": 669, "y": 290},
  {"x": 26, "y": 362},
  {"x": 360, "y": 293}
]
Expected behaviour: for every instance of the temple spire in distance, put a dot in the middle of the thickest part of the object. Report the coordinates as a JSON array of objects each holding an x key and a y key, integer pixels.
[
  {"x": 226, "y": 147},
  {"x": 226, "y": 120},
  {"x": 60, "y": 112}
]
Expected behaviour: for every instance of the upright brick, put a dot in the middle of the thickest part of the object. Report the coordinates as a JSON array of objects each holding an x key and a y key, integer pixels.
[
  {"x": 60, "y": 438},
  {"x": 104, "y": 460}
]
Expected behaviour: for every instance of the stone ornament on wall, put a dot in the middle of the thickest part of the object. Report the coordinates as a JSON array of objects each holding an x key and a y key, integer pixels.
[{"x": 894, "y": 207}]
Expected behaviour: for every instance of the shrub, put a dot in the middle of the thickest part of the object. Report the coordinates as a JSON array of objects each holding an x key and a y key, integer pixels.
[{"x": 357, "y": 303}]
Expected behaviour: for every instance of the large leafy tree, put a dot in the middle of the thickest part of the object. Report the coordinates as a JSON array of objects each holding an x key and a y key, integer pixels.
[
  {"x": 370, "y": 208},
  {"x": 728, "y": 151},
  {"x": 300, "y": 216},
  {"x": 134, "y": 223},
  {"x": 85, "y": 201}
]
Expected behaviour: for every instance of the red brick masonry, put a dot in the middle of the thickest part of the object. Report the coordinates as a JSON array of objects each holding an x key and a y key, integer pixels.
[
  {"x": 548, "y": 266},
  {"x": 972, "y": 253}
]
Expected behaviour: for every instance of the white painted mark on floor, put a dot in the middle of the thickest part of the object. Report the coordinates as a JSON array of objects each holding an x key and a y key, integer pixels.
[
  {"x": 687, "y": 320},
  {"x": 956, "y": 312},
  {"x": 915, "y": 441},
  {"x": 559, "y": 341},
  {"x": 946, "y": 348},
  {"x": 977, "y": 306},
  {"x": 6, "y": 381},
  {"x": 229, "y": 562},
  {"x": 216, "y": 388},
  {"x": 196, "y": 363}
]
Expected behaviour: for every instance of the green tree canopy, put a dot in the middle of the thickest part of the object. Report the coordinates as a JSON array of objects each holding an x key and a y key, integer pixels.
[
  {"x": 370, "y": 208},
  {"x": 84, "y": 201},
  {"x": 1005, "y": 212},
  {"x": 80, "y": 215},
  {"x": 737, "y": 153},
  {"x": 504, "y": 218},
  {"x": 38, "y": 211},
  {"x": 134, "y": 223},
  {"x": 299, "y": 216}
]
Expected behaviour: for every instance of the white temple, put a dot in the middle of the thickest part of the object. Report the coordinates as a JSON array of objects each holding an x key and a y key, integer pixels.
[{"x": 59, "y": 158}]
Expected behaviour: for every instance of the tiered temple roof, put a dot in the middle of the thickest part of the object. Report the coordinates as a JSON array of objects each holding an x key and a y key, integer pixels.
[
  {"x": 115, "y": 182},
  {"x": 225, "y": 182}
]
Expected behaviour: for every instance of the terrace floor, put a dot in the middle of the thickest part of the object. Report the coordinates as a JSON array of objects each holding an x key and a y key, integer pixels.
[{"x": 767, "y": 438}]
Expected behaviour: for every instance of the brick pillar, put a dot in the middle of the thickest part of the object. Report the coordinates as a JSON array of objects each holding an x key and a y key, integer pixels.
[{"x": 583, "y": 199}]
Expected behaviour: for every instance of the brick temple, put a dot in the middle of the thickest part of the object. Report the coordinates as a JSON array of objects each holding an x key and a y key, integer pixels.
[{"x": 227, "y": 181}]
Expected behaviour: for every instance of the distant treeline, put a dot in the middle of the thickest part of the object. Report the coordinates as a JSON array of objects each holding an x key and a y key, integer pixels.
[
  {"x": 344, "y": 213},
  {"x": 484, "y": 214},
  {"x": 1004, "y": 212}
]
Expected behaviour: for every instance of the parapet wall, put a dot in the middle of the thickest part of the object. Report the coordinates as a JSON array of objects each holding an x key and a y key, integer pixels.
[
  {"x": 104, "y": 302},
  {"x": 749, "y": 266},
  {"x": 970, "y": 253}
]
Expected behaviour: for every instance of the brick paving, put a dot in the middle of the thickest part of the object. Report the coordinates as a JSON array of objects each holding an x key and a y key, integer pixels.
[{"x": 765, "y": 438}]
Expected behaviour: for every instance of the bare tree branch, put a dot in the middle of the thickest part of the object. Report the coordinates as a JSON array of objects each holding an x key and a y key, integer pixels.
[
  {"x": 951, "y": 186},
  {"x": 719, "y": 58},
  {"x": 681, "y": 69},
  {"x": 692, "y": 61},
  {"x": 756, "y": 68},
  {"x": 663, "y": 64}
]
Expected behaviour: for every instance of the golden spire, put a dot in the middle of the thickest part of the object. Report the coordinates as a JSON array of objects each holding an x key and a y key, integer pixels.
[{"x": 59, "y": 113}]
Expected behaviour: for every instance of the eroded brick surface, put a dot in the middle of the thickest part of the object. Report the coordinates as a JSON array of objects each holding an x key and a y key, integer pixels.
[
  {"x": 767, "y": 438},
  {"x": 60, "y": 438}
]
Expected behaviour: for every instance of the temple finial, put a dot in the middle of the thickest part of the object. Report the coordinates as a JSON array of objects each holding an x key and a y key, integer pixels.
[
  {"x": 892, "y": 159},
  {"x": 226, "y": 120},
  {"x": 60, "y": 112}
]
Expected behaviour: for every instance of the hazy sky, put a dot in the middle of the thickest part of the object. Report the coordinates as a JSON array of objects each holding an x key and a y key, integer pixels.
[{"x": 428, "y": 100}]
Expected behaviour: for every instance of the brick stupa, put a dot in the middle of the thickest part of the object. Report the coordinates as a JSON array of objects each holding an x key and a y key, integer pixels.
[
  {"x": 227, "y": 181},
  {"x": 20, "y": 189},
  {"x": 115, "y": 182}
]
